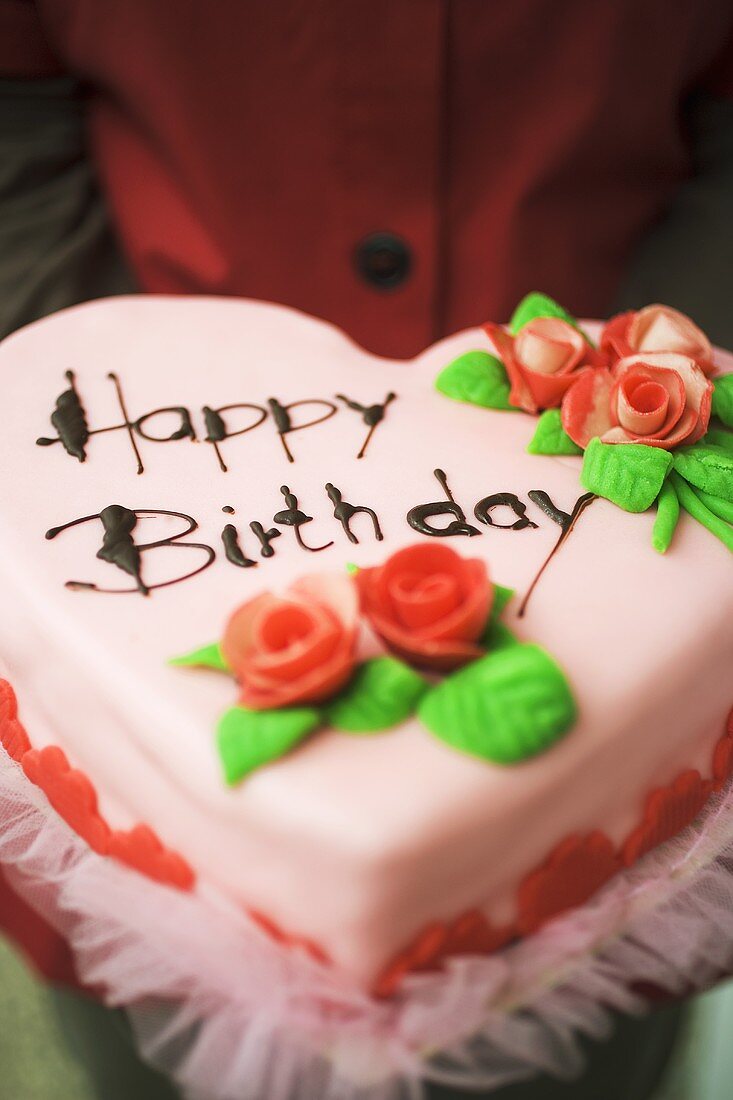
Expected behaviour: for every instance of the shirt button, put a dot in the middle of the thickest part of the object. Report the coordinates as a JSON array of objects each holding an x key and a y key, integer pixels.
[{"x": 383, "y": 260}]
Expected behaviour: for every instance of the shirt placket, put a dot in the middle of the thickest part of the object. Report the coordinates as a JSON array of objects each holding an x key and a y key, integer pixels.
[{"x": 387, "y": 118}]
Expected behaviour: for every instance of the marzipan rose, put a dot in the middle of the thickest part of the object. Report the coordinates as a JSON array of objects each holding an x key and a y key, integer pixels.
[
  {"x": 299, "y": 648},
  {"x": 542, "y": 361},
  {"x": 428, "y": 605},
  {"x": 660, "y": 399},
  {"x": 657, "y": 328}
]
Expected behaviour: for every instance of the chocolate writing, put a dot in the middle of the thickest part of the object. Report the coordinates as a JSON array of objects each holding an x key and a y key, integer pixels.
[
  {"x": 220, "y": 424},
  {"x": 502, "y": 511}
]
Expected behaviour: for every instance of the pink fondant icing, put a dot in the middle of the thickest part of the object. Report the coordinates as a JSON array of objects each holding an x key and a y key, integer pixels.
[{"x": 355, "y": 843}]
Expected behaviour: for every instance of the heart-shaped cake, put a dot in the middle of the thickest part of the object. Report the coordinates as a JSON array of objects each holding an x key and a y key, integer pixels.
[{"x": 283, "y": 619}]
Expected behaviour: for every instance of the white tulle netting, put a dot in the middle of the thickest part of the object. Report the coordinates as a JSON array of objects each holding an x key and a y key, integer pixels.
[{"x": 231, "y": 1015}]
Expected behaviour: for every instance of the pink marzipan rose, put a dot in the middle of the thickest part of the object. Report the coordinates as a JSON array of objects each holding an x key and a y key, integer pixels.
[
  {"x": 542, "y": 361},
  {"x": 657, "y": 328},
  {"x": 660, "y": 399},
  {"x": 298, "y": 648}
]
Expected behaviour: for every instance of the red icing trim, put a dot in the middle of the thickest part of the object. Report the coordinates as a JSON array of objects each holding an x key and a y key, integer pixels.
[
  {"x": 74, "y": 798},
  {"x": 468, "y": 934},
  {"x": 471, "y": 934},
  {"x": 668, "y": 810},
  {"x": 141, "y": 849},
  {"x": 275, "y": 932},
  {"x": 69, "y": 792},
  {"x": 575, "y": 869},
  {"x": 13, "y": 737},
  {"x": 723, "y": 757}
]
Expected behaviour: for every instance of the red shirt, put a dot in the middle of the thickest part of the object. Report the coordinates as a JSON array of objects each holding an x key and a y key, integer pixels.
[
  {"x": 251, "y": 147},
  {"x": 248, "y": 147}
]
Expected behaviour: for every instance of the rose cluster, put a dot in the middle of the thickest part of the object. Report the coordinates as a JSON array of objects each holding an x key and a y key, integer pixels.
[
  {"x": 648, "y": 381},
  {"x": 426, "y": 604}
]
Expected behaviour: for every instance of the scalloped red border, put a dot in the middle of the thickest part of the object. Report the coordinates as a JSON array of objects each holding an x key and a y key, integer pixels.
[
  {"x": 469, "y": 934},
  {"x": 571, "y": 873},
  {"x": 74, "y": 798}
]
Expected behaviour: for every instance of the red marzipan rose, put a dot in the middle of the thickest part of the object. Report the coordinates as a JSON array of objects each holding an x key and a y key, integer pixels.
[
  {"x": 542, "y": 361},
  {"x": 428, "y": 604},
  {"x": 299, "y": 648},
  {"x": 660, "y": 399},
  {"x": 657, "y": 328}
]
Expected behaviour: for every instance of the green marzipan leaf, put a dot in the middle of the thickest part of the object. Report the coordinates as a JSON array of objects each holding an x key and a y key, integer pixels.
[
  {"x": 478, "y": 379},
  {"x": 209, "y": 656},
  {"x": 247, "y": 739},
  {"x": 695, "y": 507},
  {"x": 707, "y": 467},
  {"x": 502, "y": 596},
  {"x": 630, "y": 475},
  {"x": 381, "y": 694},
  {"x": 718, "y": 437},
  {"x": 550, "y": 438},
  {"x": 496, "y": 635},
  {"x": 668, "y": 514},
  {"x": 536, "y": 304},
  {"x": 723, "y": 399},
  {"x": 505, "y": 707}
]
